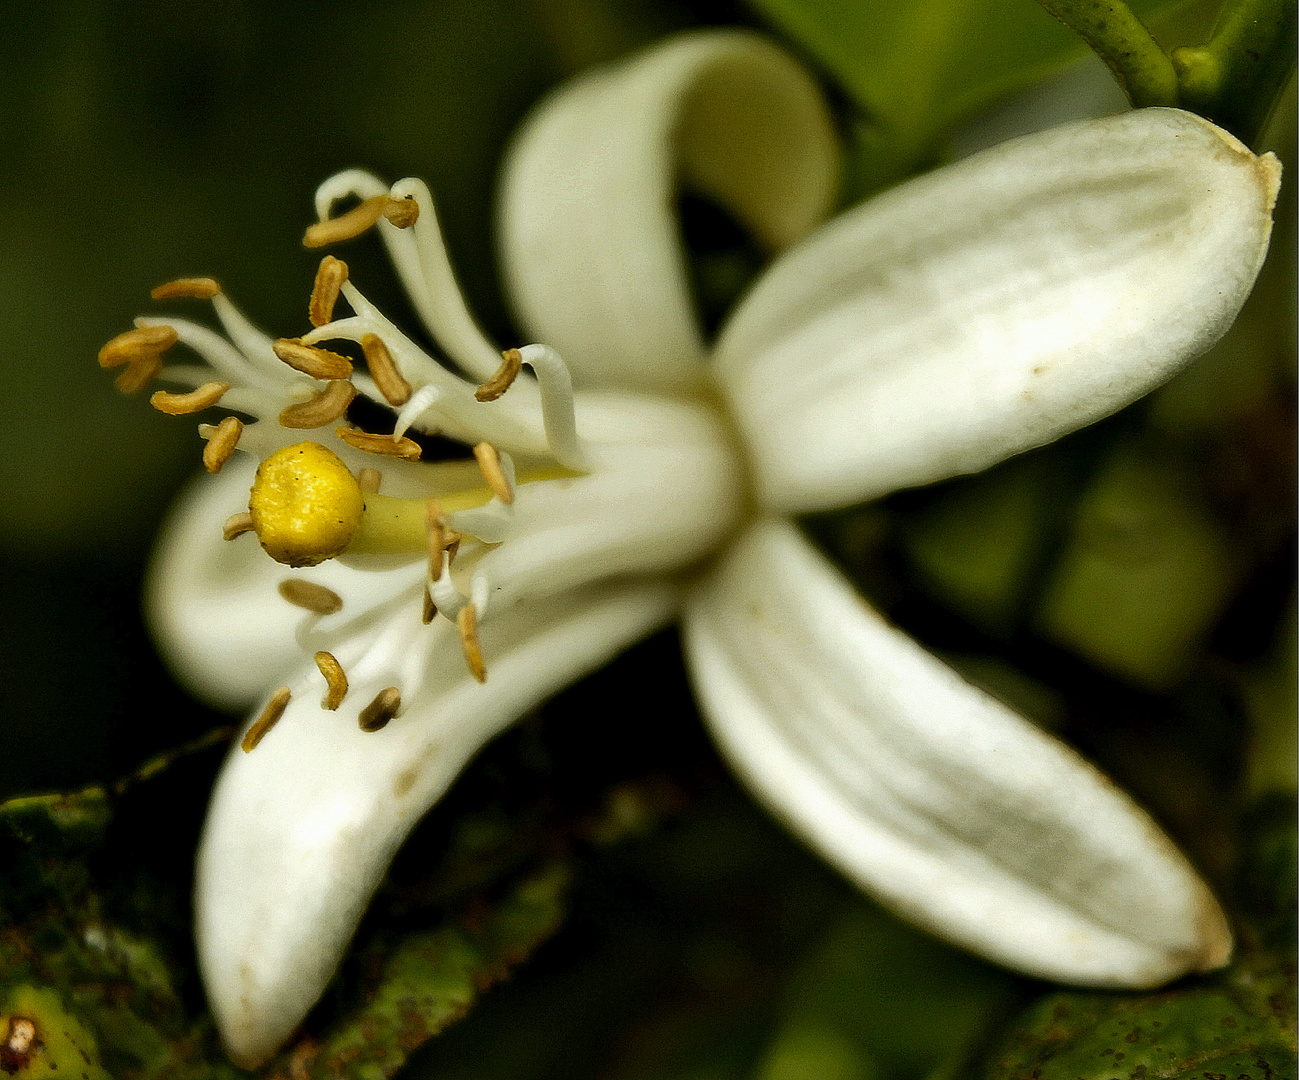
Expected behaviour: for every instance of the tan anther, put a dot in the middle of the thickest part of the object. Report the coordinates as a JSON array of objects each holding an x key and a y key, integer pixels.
[
  {"x": 370, "y": 480},
  {"x": 511, "y": 361},
  {"x": 383, "y": 369},
  {"x": 307, "y": 594},
  {"x": 430, "y": 609},
  {"x": 346, "y": 226},
  {"x": 318, "y": 363},
  {"x": 137, "y": 374},
  {"x": 221, "y": 443},
  {"x": 437, "y": 538},
  {"x": 324, "y": 408},
  {"x": 386, "y": 445},
  {"x": 489, "y": 464},
  {"x": 402, "y": 212},
  {"x": 330, "y": 276},
  {"x": 335, "y": 679},
  {"x": 382, "y": 709},
  {"x": 137, "y": 344},
  {"x": 195, "y": 401},
  {"x": 237, "y": 525},
  {"x": 467, "y": 624},
  {"x": 269, "y": 718},
  {"x": 190, "y": 288}
]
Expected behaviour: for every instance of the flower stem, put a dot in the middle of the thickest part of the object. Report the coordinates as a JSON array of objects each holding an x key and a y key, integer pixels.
[
  {"x": 1237, "y": 78},
  {"x": 1142, "y": 68}
]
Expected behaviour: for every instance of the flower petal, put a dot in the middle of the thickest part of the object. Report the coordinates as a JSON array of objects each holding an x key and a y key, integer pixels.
[
  {"x": 950, "y": 808},
  {"x": 590, "y": 245},
  {"x": 665, "y": 488},
  {"x": 213, "y": 605},
  {"x": 301, "y": 829},
  {"x": 994, "y": 305}
]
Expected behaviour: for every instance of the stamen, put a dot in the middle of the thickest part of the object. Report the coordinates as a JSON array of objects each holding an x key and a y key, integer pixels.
[
  {"x": 330, "y": 276},
  {"x": 310, "y": 360},
  {"x": 221, "y": 443},
  {"x": 346, "y": 226},
  {"x": 382, "y": 709},
  {"x": 194, "y": 288},
  {"x": 308, "y": 594},
  {"x": 324, "y": 408},
  {"x": 237, "y": 525},
  {"x": 138, "y": 373},
  {"x": 383, "y": 369},
  {"x": 504, "y": 378},
  {"x": 467, "y": 624},
  {"x": 557, "y": 406},
  {"x": 403, "y": 213},
  {"x": 369, "y": 479},
  {"x": 335, "y": 679},
  {"x": 420, "y": 402},
  {"x": 269, "y": 718},
  {"x": 404, "y": 448},
  {"x": 195, "y": 401},
  {"x": 137, "y": 344},
  {"x": 437, "y": 538},
  {"x": 430, "y": 609},
  {"x": 489, "y": 463}
]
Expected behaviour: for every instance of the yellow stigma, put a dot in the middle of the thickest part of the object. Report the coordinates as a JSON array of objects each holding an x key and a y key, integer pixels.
[{"x": 305, "y": 504}]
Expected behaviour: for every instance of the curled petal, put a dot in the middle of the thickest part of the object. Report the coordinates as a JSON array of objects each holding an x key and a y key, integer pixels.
[
  {"x": 302, "y": 828},
  {"x": 994, "y": 305},
  {"x": 950, "y": 808},
  {"x": 589, "y": 238}
]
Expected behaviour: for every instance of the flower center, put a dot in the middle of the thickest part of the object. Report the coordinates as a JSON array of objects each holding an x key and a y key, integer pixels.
[{"x": 652, "y": 485}]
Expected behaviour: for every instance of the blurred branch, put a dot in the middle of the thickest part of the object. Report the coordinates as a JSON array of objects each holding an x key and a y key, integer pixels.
[{"x": 1142, "y": 68}]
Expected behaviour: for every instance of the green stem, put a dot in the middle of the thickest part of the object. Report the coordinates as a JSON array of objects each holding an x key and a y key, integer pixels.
[
  {"x": 1236, "y": 79},
  {"x": 1142, "y": 68}
]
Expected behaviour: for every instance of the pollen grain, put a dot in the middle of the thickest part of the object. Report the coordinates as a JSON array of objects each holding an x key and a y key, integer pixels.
[
  {"x": 489, "y": 464},
  {"x": 269, "y": 718},
  {"x": 137, "y": 344},
  {"x": 309, "y": 595},
  {"x": 194, "y": 288},
  {"x": 195, "y": 401},
  {"x": 326, "y": 407},
  {"x": 386, "y": 445},
  {"x": 383, "y": 369},
  {"x": 330, "y": 276},
  {"x": 467, "y": 624},
  {"x": 511, "y": 362},
  {"x": 137, "y": 374},
  {"x": 221, "y": 443},
  {"x": 383, "y": 708},
  {"x": 403, "y": 213},
  {"x": 335, "y": 680},
  {"x": 318, "y": 363},
  {"x": 346, "y": 226}
]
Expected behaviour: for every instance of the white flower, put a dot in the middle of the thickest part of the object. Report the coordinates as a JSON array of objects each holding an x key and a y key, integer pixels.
[{"x": 984, "y": 309}]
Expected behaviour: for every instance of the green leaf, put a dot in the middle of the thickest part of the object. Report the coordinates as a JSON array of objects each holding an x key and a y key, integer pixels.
[
  {"x": 1239, "y": 1027},
  {"x": 431, "y": 979},
  {"x": 916, "y": 68}
]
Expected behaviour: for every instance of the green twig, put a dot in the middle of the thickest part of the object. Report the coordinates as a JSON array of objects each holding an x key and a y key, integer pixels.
[
  {"x": 1236, "y": 79},
  {"x": 1142, "y": 68}
]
